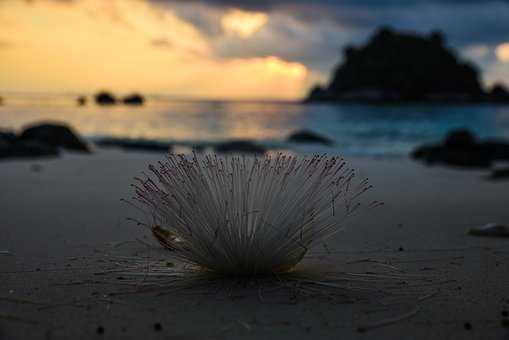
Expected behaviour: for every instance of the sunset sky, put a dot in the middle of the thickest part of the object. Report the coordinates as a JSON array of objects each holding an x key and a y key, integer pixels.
[{"x": 222, "y": 49}]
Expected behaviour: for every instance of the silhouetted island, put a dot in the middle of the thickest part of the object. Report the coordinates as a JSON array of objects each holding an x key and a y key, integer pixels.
[
  {"x": 404, "y": 67},
  {"x": 134, "y": 99},
  {"x": 105, "y": 98}
]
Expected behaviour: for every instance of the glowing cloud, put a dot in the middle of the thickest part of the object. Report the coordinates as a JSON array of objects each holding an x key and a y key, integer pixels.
[
  {"x": 502, "y": 52},
  {"x": 126, "y": 45},
  {"x": 243, "y": 23}
]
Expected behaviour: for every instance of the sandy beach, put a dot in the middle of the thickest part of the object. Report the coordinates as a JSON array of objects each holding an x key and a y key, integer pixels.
[{"x": 62, "y": 219}]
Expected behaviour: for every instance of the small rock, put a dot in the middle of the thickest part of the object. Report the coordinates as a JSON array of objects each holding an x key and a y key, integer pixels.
[
  {"x": 467, "y": 326},
  {"x": 307, "y": 136},
  {"x": 498, "y": 174},
  {"x": 460, "y": 148},
  {"x": 490, "y": 229},
  {"x": 135, "y": 144},
  {"x": 105, "y": 98},
  {"x": 81, "y": 100},
  {"x": 54, "y": 135},
  {"x": 158, "y": 326},
  {"x": 100, "y": 330},
  {"x": 460, "y": 138},
  {"x": 240, "y": 146},
  {"x": 134, "y": 99},
  {"x": 36, "y": 167},
  {"x": 505, "y": 313}
]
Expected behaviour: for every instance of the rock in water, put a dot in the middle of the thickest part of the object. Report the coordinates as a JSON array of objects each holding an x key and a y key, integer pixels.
[
  {"x": 461, "y": 148},
  {"x": 498, "y": 94},
  {"x": 135, "y": 144},
  {"x": 239, "y": 146},
  {"x": 105, "y": 98},
  {"x": 134, "y": 99},
  {"x": 490, "y": 229},
  {"x": 54, "y": 135},
  {"x": 81, "y": 100},
  {"x": 306, "y": 136}
]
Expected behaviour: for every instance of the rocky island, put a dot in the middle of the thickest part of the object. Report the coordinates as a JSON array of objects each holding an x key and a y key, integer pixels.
[{"x": 405, "y": 67}]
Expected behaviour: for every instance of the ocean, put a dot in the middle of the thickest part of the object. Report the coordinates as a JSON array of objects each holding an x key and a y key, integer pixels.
[{"x": 359, "y": 130}]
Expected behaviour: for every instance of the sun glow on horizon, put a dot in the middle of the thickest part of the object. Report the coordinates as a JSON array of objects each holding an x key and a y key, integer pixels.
[{"x": 126, "y": 45}]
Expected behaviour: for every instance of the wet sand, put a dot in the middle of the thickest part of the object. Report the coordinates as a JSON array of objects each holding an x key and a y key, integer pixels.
[{"x": 62, "y": 219}]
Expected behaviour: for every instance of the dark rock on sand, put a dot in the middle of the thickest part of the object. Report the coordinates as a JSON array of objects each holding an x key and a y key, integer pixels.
[
  {"x": 105, "y": 98},
  {"x": 134, "y": 99},
  {"x": 401, "y": 66},
  {"x": 26, "y": 148},
  {"x": 499, "y": 174},
  {"x": 307, "y": 136},
  {"x": 135, "y": 144},
  {"x": 461, "y": 148},
  {"x": 7, "y": 136},
  {"x": 54, "y": 135},
  {"x": 490, "y": 229},
  {"x": 13, "y": 147},
  {"x": 81, "y": 100},
  {"x": 239, "y": 146}
]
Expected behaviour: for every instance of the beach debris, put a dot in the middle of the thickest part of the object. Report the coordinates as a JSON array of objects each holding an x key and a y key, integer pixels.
[
  {"x": 308, "y": 136},
  {"x": 158, "y": 327},
  {"x": 221, "y": 213},
  {"x": 165, "y": 237},
  {"x": 100, "y": 330},
  {"x": 9, "y": 317},
  {"x": 490, "y": 229},
  {"x": 505, "y": 323},
  {"x": 240, "y": 146},
  {"x": 467, "y": 326},
  {"x": 505, "y": 313},
  {"x": 5, "y": 252}
]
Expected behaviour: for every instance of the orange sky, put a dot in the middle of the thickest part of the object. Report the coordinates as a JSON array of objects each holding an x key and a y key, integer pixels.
[{"x": 126, "y": 45}]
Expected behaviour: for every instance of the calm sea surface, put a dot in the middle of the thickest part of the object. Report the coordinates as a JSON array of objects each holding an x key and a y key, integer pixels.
[{"x": 357, "y": 129}]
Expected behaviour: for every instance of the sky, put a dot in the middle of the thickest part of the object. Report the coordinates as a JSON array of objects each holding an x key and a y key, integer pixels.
[{"x": 223, "y": 49}]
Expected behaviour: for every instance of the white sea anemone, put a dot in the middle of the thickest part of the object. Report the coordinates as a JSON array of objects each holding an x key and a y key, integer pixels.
[{"x": 243, "y": 215}]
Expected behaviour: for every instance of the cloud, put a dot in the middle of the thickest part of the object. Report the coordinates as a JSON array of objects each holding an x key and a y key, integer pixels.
[
  {"x": 502, "y": 52},
  {"x": 243, "y": 23},
  {"x": 79, "y": 47}
]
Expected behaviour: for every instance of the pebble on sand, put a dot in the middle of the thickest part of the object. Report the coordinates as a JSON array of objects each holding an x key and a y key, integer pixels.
[{"x": 490, "y": 229}]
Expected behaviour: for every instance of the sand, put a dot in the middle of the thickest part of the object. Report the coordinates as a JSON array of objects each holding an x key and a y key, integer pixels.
[{"x": 62, "y": 219}]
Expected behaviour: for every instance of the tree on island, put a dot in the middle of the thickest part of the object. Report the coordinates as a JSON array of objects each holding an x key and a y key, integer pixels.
[{"x": 395, "y": 66}]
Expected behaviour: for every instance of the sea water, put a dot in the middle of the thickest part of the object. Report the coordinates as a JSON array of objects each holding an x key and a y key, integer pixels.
[{"x": 360, "y": 130}]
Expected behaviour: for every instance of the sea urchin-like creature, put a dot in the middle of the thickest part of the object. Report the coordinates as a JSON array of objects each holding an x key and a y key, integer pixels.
[{"x": 247, "y": 216}]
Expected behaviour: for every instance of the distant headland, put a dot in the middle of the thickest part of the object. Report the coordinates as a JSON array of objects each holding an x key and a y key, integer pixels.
[{"x": 405, "y": 67}]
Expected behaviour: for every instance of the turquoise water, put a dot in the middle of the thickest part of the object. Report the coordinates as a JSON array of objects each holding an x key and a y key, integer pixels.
[{"x": 357, "y": 129}]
